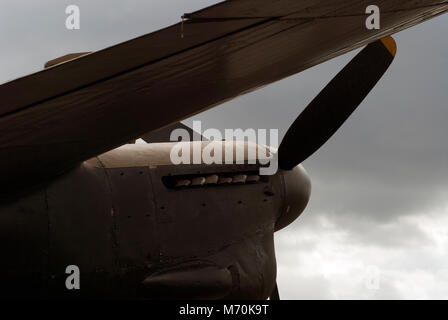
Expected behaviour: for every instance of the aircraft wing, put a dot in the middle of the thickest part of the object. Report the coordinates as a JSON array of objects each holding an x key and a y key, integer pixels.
[{"x": 56, "y": 118}]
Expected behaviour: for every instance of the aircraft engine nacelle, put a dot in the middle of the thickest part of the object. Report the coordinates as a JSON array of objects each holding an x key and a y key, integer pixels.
[{"x": 137, "y": 226}]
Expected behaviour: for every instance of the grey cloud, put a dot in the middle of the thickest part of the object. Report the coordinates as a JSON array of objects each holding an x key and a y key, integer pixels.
[{"x": 35, "y": 32}]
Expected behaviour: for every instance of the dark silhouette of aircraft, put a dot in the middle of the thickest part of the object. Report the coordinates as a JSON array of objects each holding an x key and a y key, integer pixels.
[{"x": 136, "y": 225}]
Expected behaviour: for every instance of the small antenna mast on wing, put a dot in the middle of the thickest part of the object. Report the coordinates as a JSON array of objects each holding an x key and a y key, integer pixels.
[{"x": 182, "y": 27}]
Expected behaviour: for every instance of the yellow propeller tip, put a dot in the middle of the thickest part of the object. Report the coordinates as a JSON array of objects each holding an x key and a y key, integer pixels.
[{"x": 390, "y": 45}]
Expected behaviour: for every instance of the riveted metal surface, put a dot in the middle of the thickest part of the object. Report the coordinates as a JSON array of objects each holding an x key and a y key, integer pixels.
[
  {"x": 216, "y": 216},
  {"x": 230, "y": 225},
  {"x": 136, "y": 230},
  {"x": 23, "y": 246},
  {"x": 81, "y": 232},
  {"x": 121, "y": 226}
]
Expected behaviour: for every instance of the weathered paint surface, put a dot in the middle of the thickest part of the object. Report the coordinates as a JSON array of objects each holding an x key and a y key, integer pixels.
[{"x": 123, "y": 227}]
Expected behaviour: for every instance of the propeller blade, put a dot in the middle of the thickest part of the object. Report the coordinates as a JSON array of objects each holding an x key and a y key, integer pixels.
[{"x": 335, "y": 103}]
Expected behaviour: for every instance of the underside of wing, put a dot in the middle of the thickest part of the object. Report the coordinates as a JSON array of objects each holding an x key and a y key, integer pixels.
[{"x": 54, "y": 119}]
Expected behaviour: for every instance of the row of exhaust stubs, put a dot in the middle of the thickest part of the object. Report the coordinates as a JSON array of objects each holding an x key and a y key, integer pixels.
[{"x": 217, "y": 180}]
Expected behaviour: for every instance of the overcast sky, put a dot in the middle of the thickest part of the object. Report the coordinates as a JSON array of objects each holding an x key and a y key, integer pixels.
[{"x": 380, "y": 185}]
